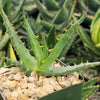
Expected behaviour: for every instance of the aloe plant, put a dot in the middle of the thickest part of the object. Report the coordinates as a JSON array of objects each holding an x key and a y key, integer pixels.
[{"x": 43, "y": 60}]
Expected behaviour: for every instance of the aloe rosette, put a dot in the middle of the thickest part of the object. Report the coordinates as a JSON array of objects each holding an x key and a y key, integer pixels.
[{"x": 43, "y": 59}]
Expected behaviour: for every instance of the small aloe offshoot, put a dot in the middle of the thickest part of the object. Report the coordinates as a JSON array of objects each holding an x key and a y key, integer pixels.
[{"x": 43, "y": 59}]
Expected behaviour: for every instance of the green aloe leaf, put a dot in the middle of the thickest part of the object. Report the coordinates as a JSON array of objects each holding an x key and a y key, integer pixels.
[
  {"x": 43, "y": 11},
  {"x": 67, "y": 3},
  {"x": 51, "y": 4},
  {"x": 0, "y": 33},
  {"x": 3, "y": 41},
  {"x": 45, "y": 49},
  {"x": 68, "y": 45},
  {"x": 16, "y": 63},
  {"x": 34, "y": 42},
  {"x": 51, "y": 39},
  {"x": 59, "y": 18},
  {"x": 2, "y": 54},
  {"x": 84, "y": 7},
  {"x": 46, "y": 25},
  {"x": 95, "y": 29},
  {"x": 56, "y": 71},
  {"x": 90, "y": 82},
  {"x": 18, "y": 11},
  {"x": 97, "y": 16},
  {"x": 7, "y": 6}
]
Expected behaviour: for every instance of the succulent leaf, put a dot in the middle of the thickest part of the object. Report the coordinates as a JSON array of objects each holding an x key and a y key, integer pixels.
[
  {"x": 12, "y": 54},
  {"x": 3, "y": 41},
  {"x": 51, "y": 4},
  {"x": 17, "y": 63},
  {"x": 70, "y": 14},
  {"x": 95, "y": 29},
  {"x": 95, "y": 34},
  {"x": 56, "y": 71},
  {"x": 67, "y": 3},
  {"x": 92, "y": 6},
  {"x": 42, "y": 9},
  {"x": 18, "y": 11},
  {"x": 2, "y": 54},
  {"x": 90, "y": 82},
  {"x": 34, "y": 42},
  {"x": 97, "y": 16},
  {"x": 51, "y": 39},
  {"x": 0, "y": 33},
  {"x": 45, "y": 50},
  {"x": 46, "y": 25},
  {"x": 68, "y": 45},
  {"x": 58, "y": 19},
  {"x": 7, "y": 5}
]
